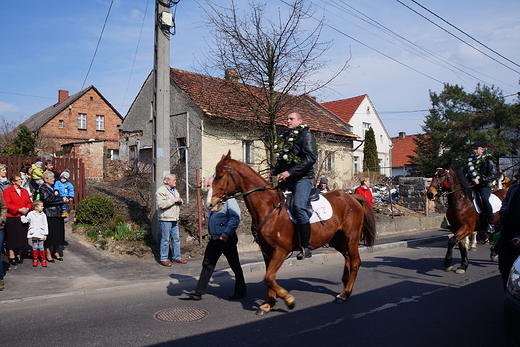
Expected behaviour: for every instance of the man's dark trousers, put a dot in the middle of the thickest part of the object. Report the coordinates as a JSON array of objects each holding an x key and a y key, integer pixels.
[{"x": 214, "y": 250}]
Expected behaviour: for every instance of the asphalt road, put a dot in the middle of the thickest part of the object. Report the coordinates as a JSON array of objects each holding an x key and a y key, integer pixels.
[{"x": 402, "y": 297}]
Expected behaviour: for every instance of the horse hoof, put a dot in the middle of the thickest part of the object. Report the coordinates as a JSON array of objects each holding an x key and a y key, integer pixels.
[
  {"x": 449, "y": 268},
  {"x": 261, "y": 312},
  {"x": 461, "y": 270},
  {"x": 473, "y": 248},
  {"x": 494, "y": 258},
  {"x": 339, "y": 300},
  {"x": 290, "y": 302}
]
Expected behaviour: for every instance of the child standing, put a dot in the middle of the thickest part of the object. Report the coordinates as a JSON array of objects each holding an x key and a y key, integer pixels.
[
  {"x": 64, "y": 188},
  {"x": 38, "y": 231}
]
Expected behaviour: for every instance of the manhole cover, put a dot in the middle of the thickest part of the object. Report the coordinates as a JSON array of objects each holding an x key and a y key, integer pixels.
[{"x": 181, "y": 314}]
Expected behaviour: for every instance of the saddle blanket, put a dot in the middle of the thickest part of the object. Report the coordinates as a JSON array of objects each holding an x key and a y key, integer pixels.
[
  {"x": 495, "y": 202},
  {"x": 321, "y": 210}
]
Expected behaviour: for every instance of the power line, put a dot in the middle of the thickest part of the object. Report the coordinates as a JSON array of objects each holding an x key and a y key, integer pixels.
[
  {"x": 458, "y": 38},
  {"x": 408, "y": 43},
  {"x": 95, "y": 52},
  {"x": 32, "y": 96},
  {"x": 471, "y": 37}
]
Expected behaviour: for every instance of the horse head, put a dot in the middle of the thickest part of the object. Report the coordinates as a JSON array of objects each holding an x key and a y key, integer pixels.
[
  {"x": 224, "y": 184},
  {"x": 439, "y": 183}
]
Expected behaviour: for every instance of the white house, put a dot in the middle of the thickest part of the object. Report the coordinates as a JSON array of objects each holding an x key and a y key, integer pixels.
[{"x": 360, "y": 114}]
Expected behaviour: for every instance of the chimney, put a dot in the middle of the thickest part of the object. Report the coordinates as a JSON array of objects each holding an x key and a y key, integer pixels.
[
  {"x": 402, "y": 135},
  {"x": 231, "y": 75},
  {"x": 62, "y": 95}
]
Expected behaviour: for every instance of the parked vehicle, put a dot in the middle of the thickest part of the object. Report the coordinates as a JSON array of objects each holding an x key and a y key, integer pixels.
[{"x": 512, "y": 306}]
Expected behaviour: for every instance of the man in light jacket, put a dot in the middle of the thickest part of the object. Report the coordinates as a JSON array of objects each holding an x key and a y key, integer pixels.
[
  {"x": 222, "y": 226},
  {"x": 168, "y": 207}
]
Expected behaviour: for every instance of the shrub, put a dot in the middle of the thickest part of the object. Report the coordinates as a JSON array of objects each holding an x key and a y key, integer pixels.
[{"x": 94, "y": 210}]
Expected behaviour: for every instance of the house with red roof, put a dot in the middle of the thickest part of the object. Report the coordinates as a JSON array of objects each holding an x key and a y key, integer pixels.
[
  {"x": 209, "y": 118},
  {"x": 360, "y": 114},
  {"x": 403, "y": 148},
  {"x": 84, "y": 116}
]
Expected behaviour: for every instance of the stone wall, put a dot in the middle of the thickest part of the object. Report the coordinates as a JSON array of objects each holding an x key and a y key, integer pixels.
[{"x": 412, "y": 192}]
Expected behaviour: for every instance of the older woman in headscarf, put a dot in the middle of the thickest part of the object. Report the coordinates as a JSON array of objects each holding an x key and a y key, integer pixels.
[
  {"x": 18, "y": 204},
  {"x": 52, "y": 208}
]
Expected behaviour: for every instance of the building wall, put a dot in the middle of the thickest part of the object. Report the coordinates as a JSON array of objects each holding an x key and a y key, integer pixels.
[
  {"x": 341, "y": 177},
  {"x": 91, "y": 103},
  {"x": 93, "y": 157}
]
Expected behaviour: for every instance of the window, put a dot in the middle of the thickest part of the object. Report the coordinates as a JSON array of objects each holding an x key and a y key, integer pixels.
[
  {"x": 247, "y": 151},
  {"x": 60, "y": 123},
  {"x": 329, "y": 161},
  {"x": 100, "y": 122},
  {"x": 181, "y": 144},
  {"x": 113, "y": 154},
  {"x": 82, "y": 121},
  {"x": 366, "y": 126},
  {"x": 356, "y": 164}
]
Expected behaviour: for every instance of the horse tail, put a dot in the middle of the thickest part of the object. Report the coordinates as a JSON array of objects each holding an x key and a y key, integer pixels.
[{"x": 369, "y": 224}]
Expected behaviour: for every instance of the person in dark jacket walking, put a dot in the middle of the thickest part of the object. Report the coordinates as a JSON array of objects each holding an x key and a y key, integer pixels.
[
  {"x": 296, "y": 152},
  {"x": 52, "y": 208},
  {"x": 480, "y": 171},
  {"x": 222, "y": 226}
]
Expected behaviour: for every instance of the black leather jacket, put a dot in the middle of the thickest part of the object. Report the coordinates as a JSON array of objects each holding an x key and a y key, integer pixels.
[
  {"x": 487, "y": 174},
  {"x": 305, "y": 148},
  {"x": 51, "y": 203}
]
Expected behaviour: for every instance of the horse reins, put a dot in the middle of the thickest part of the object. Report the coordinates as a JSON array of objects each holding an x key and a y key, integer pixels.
[{"x": 237, "y": 193}]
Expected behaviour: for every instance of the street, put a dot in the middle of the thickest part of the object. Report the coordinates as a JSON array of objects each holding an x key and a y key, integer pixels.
[{"x": 402, "y": 297}]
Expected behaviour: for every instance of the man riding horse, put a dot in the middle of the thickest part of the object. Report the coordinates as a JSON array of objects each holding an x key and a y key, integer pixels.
[
  {"x": 480, "y": 170},
  {"x": 296, "y": 155}
]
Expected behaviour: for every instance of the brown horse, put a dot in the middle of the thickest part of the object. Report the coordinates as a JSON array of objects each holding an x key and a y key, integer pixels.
[
  {"x": 274, "y": 230},
  {"x": 461, "y": 215}
]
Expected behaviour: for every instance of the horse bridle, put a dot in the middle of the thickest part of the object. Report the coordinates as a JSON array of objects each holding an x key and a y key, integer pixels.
[{"x": 237, "y": 193}]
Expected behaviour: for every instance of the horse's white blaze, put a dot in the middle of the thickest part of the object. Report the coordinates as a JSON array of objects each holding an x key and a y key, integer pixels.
[{"x": 210, "y": 195}]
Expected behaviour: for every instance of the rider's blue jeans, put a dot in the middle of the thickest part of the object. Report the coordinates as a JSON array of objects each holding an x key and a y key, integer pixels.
[{"x": 301, "y": 190}]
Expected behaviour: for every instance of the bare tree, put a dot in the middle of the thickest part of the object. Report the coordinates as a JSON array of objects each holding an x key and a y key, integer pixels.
[
  {"x": 7, "y": 133},
  {"x": 271, "y": 59}
]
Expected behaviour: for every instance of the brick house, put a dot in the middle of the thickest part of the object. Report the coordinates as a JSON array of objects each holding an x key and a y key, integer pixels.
[
  {"x": 403, "y": 147},
  {"x": 208, "y": 118},
  {"x": 84, "y": 116},
  {"x": 360, "y": 113}
]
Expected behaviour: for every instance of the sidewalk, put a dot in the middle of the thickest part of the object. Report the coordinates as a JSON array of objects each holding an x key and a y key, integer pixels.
[{"x": 86, "y": 270}]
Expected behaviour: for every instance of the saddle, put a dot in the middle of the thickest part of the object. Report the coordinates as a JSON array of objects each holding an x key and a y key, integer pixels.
[{"x": 313, "y": 196}]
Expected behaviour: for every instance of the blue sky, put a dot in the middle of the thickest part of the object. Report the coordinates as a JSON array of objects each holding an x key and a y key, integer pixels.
[{"x": 49, "y": 46}]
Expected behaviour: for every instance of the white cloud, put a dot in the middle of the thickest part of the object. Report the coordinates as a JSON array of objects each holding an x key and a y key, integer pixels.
[{"x": 8, "y": 108}]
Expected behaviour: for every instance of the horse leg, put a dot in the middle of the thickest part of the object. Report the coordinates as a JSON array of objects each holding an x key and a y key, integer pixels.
[
  {"x": 273, "y": 289},
  {"x": 350, "y": 271},
  {"x": 448, "y": 259},
  {"x": 473, "y": 241},
  {"x": 466, "y": 242},
  {"x": 463, "y": 259}
]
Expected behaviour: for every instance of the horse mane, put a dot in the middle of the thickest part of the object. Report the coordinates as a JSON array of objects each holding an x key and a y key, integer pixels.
[{"x": 463, "y": 181}]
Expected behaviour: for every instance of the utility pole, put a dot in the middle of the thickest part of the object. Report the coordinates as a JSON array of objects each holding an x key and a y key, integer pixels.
[{"x": 161, "y": 102}]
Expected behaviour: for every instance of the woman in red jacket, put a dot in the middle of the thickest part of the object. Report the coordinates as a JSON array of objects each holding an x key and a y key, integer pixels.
[
  {"x": 18, "y": 203},
  {"x": 364, "y": 189}
]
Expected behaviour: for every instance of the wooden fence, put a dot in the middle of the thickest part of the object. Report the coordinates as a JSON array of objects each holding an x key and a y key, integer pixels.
[{"x": 75, "y": 166}]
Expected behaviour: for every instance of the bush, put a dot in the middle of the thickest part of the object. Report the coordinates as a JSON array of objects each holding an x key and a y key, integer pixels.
[{"x": 95, "y": 210}]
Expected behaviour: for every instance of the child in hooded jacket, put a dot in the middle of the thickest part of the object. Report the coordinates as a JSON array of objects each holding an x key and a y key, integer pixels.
[
  {"x": 64, "y": 188},
  {"x": 38, "y": 231}
]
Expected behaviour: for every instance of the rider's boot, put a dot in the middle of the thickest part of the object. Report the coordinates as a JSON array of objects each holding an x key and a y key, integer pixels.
[
  {"x": 487, "y": 234},
  {"x": 305, "y": 234}
]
